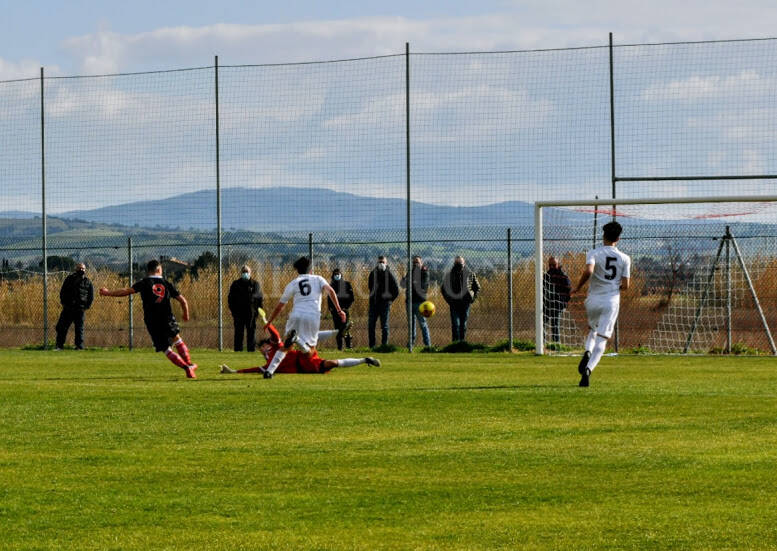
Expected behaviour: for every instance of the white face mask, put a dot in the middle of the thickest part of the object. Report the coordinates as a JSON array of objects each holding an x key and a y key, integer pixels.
[
  {"x": 245, "y": 275},
  {"x": 337, "y": 277},
  {"x": 381, "y": 266}
]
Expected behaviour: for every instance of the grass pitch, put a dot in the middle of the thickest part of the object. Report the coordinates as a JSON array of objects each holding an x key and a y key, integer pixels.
[{"x": 117, "y": 450}]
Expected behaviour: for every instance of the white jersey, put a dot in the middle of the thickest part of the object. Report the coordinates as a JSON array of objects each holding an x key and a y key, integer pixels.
[
  {"x": 610, "y": 265},
  {"x": 306, "y": 290}
]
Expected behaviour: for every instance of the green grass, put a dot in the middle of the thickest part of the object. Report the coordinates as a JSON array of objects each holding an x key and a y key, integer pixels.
[{"x": 117, "y": 450}]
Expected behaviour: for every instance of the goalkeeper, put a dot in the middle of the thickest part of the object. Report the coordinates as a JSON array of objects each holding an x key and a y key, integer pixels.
[{"x": 296, "y": 361}]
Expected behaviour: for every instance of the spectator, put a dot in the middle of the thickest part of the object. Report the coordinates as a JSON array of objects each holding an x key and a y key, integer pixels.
[
  {"x": 555, "y": 292},
  {"x": 420, "y": 282},
  {"x": 460, "y": 289},
  {"x": 344, "y": 291},
  {"x": 76, "y": 296},
  {"x": 384, "y": 290},
  {"x": 244, "y": 299}
]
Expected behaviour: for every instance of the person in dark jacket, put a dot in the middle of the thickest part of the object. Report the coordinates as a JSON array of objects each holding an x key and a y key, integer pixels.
[
  {"x": 556, "y": 286},
  {"x": 344, "y": 291},
  {"x": 384, "y": 290},
  {"x": 420, "y": 289},
  {"x": 244, "y": 300},
  {"x": 76, "y": 296},
  {"x": 460, "y": 289}
]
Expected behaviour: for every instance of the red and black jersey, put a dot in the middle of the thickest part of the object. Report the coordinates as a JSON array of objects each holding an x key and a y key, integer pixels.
[{"x": 156, "y": 293}]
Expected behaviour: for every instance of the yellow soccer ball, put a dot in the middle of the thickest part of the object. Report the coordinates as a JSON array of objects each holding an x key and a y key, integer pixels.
[{"x": 426, "y": 309}]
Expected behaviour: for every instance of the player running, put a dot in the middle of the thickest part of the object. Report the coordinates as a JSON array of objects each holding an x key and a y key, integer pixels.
[
  {"x": 156, "y": 293},
  {"x": 295, "y": 361},
  {"x": 305, "y": 317},
  {"x": 609, "y": 271}
]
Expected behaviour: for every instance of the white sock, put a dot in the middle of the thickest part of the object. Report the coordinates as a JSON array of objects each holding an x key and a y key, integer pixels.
[
  {"x": 349, "y": 362},
  {"x": 590, "y": 341},
  {"x": 303, "y": 346},
  {"x": 596, "y": 355},
  {"x": 322, "y": 335},
  {"x": 276, "y": 361}
]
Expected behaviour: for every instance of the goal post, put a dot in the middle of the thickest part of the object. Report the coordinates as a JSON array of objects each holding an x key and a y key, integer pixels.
[{"x": 670, "y": 222}]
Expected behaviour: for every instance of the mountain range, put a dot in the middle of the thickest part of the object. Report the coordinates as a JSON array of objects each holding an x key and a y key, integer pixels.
[{"x": 294, "y": 209}]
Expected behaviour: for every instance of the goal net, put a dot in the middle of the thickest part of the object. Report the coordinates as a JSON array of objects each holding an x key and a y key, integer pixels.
[{"x": 702, "y": 279}]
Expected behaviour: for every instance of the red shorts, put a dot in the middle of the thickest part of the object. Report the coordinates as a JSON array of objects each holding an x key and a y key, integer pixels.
[{"x": 297, "y": 362}]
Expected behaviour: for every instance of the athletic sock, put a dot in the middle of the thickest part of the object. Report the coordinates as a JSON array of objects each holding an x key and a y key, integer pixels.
[
  {"x": 175, "y": 358},
  {"x": 350, "y": 362},
  {"x": 590, "y": 341},
  {"x": 596, "y": 355},
  {"x": 180, "y": 346},
  {"x": 251, "y": 370},
  {"x": 328, "y": 334},
  {"x": 276, "y": 361},
  {"x": 303, "y": 346}
]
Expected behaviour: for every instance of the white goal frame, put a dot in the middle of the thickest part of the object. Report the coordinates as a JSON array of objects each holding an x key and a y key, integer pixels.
[{"x": 539, "y": 326}]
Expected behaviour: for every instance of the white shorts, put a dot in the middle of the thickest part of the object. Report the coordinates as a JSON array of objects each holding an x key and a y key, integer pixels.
[
  {"x": 602, "y": 314},
  {"x": 307, "y": 328}
]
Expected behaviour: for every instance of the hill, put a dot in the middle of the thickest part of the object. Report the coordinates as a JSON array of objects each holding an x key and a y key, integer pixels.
[{"x": 281, "y": 209}]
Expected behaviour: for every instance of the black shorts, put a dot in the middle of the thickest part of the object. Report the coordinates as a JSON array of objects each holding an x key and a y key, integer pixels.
[{"x": 162, "y": 333}]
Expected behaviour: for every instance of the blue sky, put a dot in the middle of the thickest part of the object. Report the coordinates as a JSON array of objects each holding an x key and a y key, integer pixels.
[
  {"x": 485, "y": 128},
  {"x": 89, "y": 37}
]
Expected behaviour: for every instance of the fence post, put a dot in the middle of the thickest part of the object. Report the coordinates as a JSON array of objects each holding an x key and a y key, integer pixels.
[
  {"x": 728, "y": 291},
  {"x": 44, "y": 229},
  {"x": 616, "y": 340},
  {"x": 409, "y": 260},
  {"x": 131, "y": 327},
  {"x": 218, "y": 210},
  {"x": 310, "y": 251},
  {"x": 509, "y": 290}
]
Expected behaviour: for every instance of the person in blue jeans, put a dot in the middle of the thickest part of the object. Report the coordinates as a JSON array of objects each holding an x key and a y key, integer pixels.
[
  {"x": 420, "y": 275},
  {"x": 460, "y": 288},
  {"x": 384, "y": 290}
]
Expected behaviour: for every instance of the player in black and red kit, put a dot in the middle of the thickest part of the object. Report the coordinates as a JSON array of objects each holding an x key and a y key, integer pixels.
[{"x": 156, "y": 293}]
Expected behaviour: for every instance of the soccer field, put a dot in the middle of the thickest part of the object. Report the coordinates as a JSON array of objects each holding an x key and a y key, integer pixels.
[{"x": 117, "y": 450}]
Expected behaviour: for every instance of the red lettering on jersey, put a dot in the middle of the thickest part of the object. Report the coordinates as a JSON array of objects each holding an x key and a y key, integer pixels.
[{"x": 159, "y": 290}]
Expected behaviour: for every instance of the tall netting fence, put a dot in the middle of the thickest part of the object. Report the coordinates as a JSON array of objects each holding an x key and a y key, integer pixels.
[
  {"x": 702, "y": 277},
  {"x": 214, "y": 167}
]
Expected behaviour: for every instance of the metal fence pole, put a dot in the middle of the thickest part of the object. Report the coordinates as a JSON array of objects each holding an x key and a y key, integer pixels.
[
  {"x": 409, "y": 270},
  {"x": 728, "y": 291},
  {"x": 218, "y": 210},
  {"x": 612, "y": 161},
  {"x": 131, "y": 328},
  {"x": 509, "y": 290},
  {"x": 310, "y": 251},
  {"x": 44, "y": 229}
]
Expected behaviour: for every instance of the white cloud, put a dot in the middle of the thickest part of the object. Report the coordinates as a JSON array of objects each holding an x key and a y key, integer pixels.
[
  {"x": 531, "y": 25},
  {"x": 696, "y": 87},
  {"x": 25, "y": 68}
]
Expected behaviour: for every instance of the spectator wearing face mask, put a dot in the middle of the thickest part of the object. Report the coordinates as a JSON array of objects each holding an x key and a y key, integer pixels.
[
  {"x": 460, "y": 288},
  {"x": 76, "y": 296},
  {"x": 384, "y": 290},
  {"x": 420, "y": 288},
  {"x": 244, "y": 299},
  {"x": 344, "y": 291}
]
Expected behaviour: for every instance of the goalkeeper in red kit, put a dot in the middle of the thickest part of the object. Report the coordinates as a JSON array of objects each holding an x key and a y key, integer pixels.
[{"x": 296, "y": 361}]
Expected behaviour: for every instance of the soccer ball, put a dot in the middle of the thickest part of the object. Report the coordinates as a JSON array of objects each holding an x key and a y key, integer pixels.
[{"x": 426, "y": 309}]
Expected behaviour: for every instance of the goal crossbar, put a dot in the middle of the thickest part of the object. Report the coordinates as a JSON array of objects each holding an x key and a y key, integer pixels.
[{"x": 539, "y": 328}]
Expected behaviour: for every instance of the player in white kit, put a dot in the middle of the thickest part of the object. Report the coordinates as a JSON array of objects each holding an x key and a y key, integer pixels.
[
  {"x": 305, "y": 317},
  {"x": 609, "y": 271}
]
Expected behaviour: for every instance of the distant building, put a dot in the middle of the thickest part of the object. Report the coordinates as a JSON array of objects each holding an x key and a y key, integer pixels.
[{"x": 173, "y": 267}]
